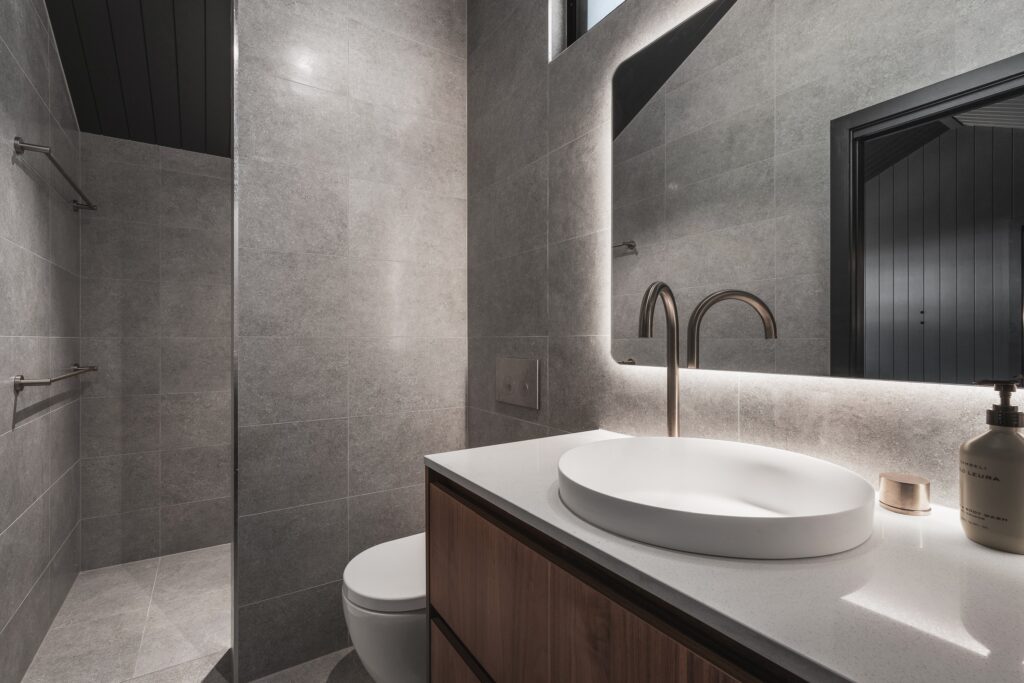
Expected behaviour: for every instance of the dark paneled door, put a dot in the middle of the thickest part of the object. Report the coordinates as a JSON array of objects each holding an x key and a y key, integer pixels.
[{"x": 942, "y": 260}]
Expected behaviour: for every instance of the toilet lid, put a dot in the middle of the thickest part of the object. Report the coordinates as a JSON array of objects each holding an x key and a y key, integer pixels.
[{"x": 390, "y": 577}]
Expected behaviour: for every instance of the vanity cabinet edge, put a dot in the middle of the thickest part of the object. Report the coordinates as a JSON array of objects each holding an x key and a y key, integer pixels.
[{"x": 728, "y": 659}]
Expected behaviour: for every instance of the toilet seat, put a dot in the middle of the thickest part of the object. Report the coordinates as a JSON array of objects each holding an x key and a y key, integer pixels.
[{"x": 390, "y": 577}]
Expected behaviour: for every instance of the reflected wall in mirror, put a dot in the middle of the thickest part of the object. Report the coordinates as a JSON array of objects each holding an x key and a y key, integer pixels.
[{"x": 721, "y": 181}]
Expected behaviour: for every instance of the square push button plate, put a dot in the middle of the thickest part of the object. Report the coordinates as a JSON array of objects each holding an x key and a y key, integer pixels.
[{"x": 517, "y": 382}]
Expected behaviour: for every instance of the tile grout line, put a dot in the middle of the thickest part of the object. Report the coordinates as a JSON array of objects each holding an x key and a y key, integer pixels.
[{"x": 145, "y": 624}]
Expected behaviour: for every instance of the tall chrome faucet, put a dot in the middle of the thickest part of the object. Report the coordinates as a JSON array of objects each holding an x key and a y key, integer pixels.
[
  {"x": 654, "y": 292},
  {"x": 693, "y": 328}
]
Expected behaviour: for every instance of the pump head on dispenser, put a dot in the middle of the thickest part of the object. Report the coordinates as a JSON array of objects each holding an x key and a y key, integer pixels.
[{"x": 1004, "y": 414}]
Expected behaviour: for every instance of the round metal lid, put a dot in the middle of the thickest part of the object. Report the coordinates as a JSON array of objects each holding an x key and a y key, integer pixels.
[{"x": 390, "y": 577}]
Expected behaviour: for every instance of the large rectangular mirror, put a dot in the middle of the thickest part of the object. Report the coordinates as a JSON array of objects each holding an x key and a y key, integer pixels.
[{"x": 870, "y": 228}]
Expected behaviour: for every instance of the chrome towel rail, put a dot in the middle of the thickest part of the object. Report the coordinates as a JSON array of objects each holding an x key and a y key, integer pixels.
[
  {"x": 20, "y": 382},
  {"x": 20, "y": 147}
]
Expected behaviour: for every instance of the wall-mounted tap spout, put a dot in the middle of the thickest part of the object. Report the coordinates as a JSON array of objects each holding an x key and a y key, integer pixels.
[
  {"x": 693, "y": 328},
  {"x": 654, "y": 292}
]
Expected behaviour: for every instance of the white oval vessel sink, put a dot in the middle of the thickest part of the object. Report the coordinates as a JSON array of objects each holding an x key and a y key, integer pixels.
[{"x": 717, "y": 497}]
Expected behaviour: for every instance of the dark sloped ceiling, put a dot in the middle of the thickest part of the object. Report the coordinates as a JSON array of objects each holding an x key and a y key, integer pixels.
[
  {"x": 638, "y": 78},
  {"x": 156, "y": 71}
]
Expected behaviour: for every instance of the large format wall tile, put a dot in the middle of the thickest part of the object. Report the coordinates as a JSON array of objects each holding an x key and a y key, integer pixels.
[
  {"x": 196, "y": 419},
  {"x": 114, "y": 426},
  {"x": 352, "y": 300},
  {"x": 24, "y": 553},
  {"x": 64, "y": 504},
  {"x": 438, "y": 23},
  {"x": 126, "y": 364},
  {"x": 120, "y": 308},
  {"x": 118, "y": 249},
  {"x": 294, "y": 209},
  {"x": 509, "y": 297},
  {"x": 194, "y": 202},
  {"x": 199, "y": 524},
  {"x": 397, "y": 224},
  {"x": 509, "y": 217},
  {"x": 488, "y": 429},
  {"x": 406, "y": 373},
  {"x": 284, "y": 465},
  {"x": 40, "y": 298},
  {"x": 196, "y": 474},
  {"x": 406, "y": 75},
  {"x": 189, "y": 365},
  {"x": 578, "y": 281},
  {"x": 300, "y": 295},
  {"x": 21, "y": 637},
  {"x": 286, "y": 379},
  {"x": 25, "y": 281},
  {"x": 386, "y": 451},
  {"x": 268, "y": 33},
  {"x": 302, "y": 626},
  {"x": 120, "y": 483},
  {"x": 425, "y": 155},
  {"x": 580, "y": 179},
  {"x": 379, "y": 517},
  {"x": 194, "y": 309},
  {"x": 156, "y": 314},
  {"x": 125, "y": 537},
  {"x": 291, "y": 123},
  {"x": 396, "y": 299},
  {"x": 23, "y": 469},
  {"x": 284, "y": 551}
]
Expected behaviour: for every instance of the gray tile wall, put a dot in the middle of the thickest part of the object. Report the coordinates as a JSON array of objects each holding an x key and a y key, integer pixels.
[
  {"x": 540, "y": 216},
  {"x": 156, "y": 317},
  {"x": 39, "y": 330},
  {"x": 351, "y": 306}
]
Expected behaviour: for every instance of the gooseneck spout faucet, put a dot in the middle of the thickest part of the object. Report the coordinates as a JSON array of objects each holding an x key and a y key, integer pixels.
[
  {"x": 693, "y": 328},
  {"x": 654, "y": 292}
]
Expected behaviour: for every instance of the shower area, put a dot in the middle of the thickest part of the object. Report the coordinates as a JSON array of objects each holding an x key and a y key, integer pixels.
[{"x": 116, "y": 456}]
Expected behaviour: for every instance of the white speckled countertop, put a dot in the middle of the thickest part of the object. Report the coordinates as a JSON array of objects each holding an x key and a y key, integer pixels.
[{"x": 917, "y": 602}]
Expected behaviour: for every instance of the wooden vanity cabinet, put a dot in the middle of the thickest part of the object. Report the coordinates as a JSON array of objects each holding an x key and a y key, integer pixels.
[
  {"x": 446, "y": 664},
  {"x": 516, "y": 608}
]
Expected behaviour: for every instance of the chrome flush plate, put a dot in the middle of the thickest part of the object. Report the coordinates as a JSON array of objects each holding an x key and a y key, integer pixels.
[{"x": 517, "y": 381}]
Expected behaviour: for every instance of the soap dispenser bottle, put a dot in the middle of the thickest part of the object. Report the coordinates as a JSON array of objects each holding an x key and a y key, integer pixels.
[{"x": 992, "y": 477}]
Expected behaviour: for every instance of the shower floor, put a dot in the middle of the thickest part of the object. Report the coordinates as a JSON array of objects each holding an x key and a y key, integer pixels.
[{"x": 158, "y": 620}]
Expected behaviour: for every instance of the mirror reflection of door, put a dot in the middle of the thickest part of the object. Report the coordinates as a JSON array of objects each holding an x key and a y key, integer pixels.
[{"x": 942, "y": 217}]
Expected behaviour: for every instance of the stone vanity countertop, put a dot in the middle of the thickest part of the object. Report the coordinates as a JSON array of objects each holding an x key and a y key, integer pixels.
[{"x": 916, "y": 602}]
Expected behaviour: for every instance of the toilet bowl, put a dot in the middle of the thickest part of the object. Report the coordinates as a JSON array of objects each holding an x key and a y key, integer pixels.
[{"x": 385, "y": 603}]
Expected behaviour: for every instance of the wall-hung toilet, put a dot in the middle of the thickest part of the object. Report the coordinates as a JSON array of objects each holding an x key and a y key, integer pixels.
[{"x": 385, "y": 599}]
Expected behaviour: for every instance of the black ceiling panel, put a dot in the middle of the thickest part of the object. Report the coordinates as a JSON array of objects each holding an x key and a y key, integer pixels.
[
  {"x": 130, "y": 47},
  {"x": 65, "y": 31},
  {"x": 101, "y": 61},
  {"x": 218, "y": 76},
  {"x": 190, "y": 22},
  {"x": 162, "y": 60},
  {"x": 156, "y": 71}
]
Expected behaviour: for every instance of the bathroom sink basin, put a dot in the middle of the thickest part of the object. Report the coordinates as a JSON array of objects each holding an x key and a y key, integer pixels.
[{"x": 717, "y": 497}]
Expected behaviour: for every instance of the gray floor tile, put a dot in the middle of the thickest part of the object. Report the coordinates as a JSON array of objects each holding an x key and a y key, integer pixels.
[
  {"x": 196, "y": 571},
  {"x": 107, "y": 592},
  {"x": 102, "y": 650},
  {"x": 203, "y": 670},
  {"x": 164, "y": 620},
  {"x": 185, "y": 630},
  {"x": 342, "y": 666}
]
